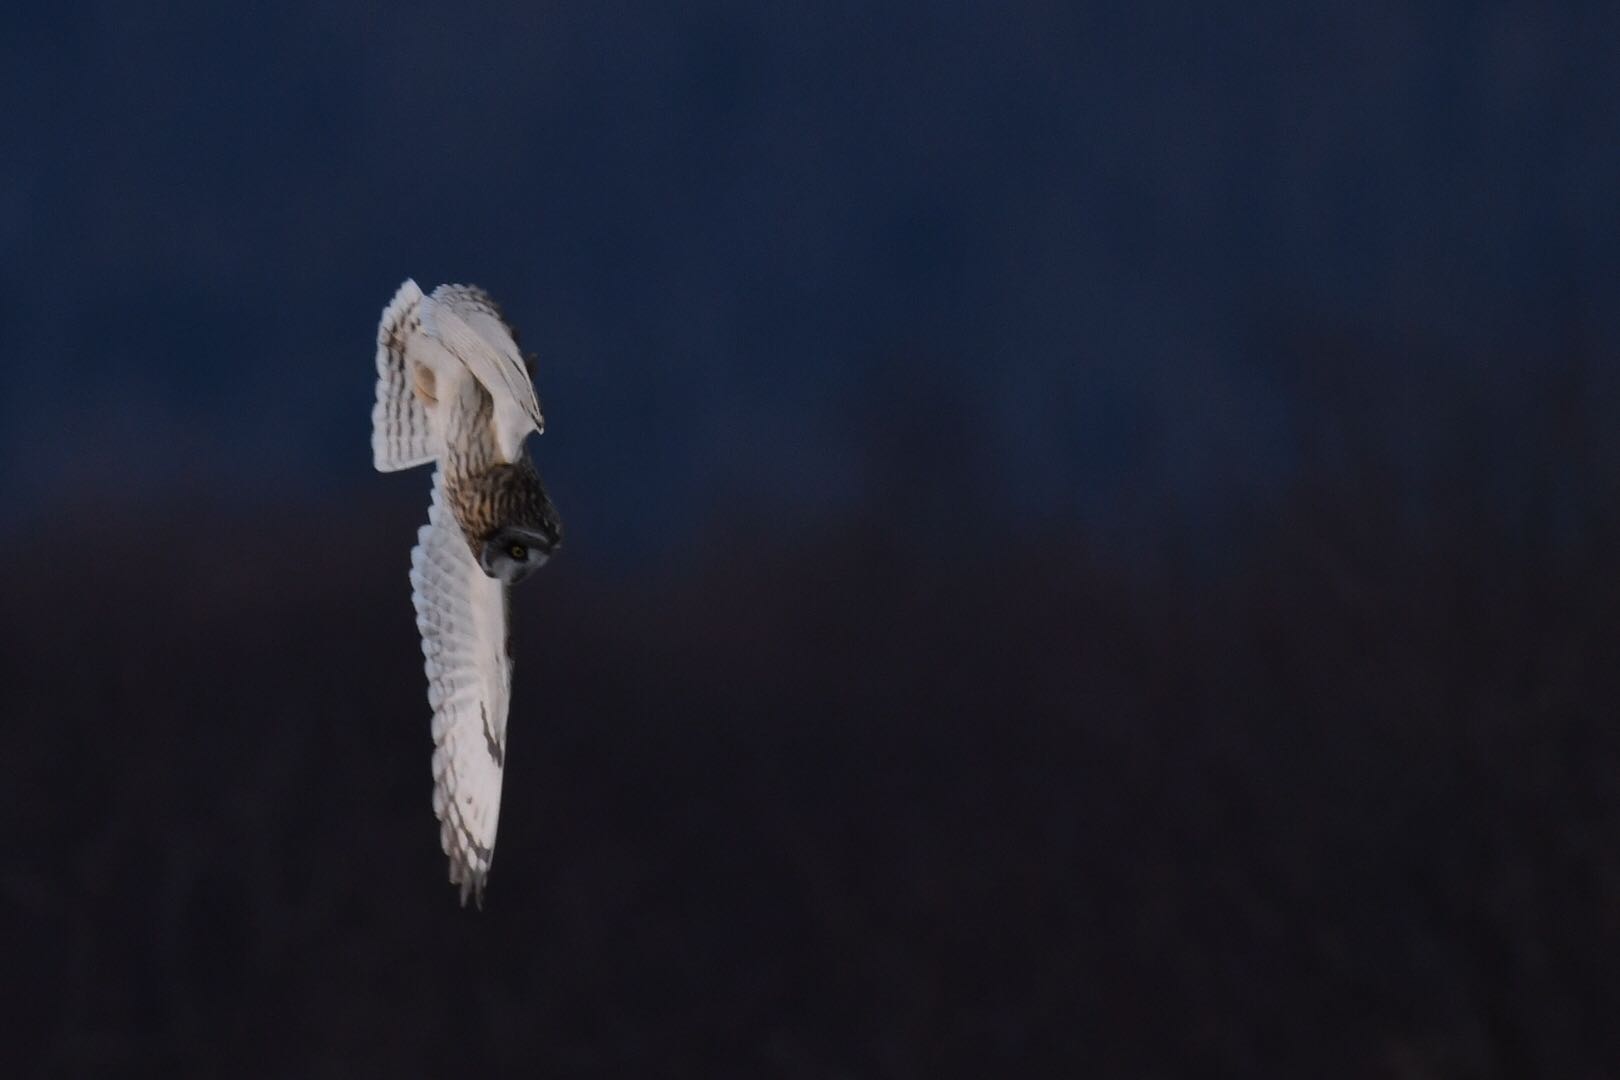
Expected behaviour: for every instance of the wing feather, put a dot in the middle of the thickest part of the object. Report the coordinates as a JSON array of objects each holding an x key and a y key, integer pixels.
[
  {"x": 466, "y": 322},
  {"x": 461, "y": 613},
  {"x": 401, "y": 435}
]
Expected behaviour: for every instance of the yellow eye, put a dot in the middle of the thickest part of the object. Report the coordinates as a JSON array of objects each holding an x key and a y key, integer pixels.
[{"x": 518, "y": 552}]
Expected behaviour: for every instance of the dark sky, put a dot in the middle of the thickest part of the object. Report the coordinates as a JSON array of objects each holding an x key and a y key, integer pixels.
[{"x": 1072, "y": 262}]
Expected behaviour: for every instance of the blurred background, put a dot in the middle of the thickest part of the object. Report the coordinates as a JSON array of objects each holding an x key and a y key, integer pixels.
[{"x": 1092, "y": 540}]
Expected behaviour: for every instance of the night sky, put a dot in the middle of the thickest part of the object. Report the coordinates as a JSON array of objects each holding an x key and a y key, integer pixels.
[
  {"x": 988, "y": 437},
  {"x": 1083, "y": 255}
]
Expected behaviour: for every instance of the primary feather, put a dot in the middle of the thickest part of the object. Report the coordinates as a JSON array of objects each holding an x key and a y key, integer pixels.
[{"x": 461, "y": 614}]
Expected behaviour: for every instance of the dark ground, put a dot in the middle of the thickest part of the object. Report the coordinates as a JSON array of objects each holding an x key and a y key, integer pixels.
[{"x": 1333, "y": 794}]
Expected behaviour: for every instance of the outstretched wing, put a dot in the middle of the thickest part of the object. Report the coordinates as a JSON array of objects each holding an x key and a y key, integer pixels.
[
  {"x": 461, "y": 613},
  {"x": 464, "y": 320},
  {"x": 400, "y": 435}
]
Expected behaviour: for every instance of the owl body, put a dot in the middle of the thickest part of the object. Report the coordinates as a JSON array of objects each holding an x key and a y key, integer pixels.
[
  {"x": 498, "y": 501},
  {"x": 453, "y": 390}
]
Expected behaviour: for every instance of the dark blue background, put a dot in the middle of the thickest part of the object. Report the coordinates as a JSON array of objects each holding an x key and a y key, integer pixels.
[
  {"x": 1079, "y": 256},
  {"x": 1093, "y": 539}
]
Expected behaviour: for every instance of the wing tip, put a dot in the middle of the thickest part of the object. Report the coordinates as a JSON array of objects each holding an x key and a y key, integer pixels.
[
  {"x": 405, "y": 297},
  {"x": 469, "y": 860},
  {"x": 473, "y": 886},
  {"x": 470, "y": 875}
]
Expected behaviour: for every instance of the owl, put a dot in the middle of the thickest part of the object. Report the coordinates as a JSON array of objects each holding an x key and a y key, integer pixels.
[{"x": 453, "y": 390}]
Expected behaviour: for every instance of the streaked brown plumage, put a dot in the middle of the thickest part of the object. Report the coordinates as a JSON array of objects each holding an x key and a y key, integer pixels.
[
  {"x": 485, "y": 493},
  {"x": 500, "y": 497}
]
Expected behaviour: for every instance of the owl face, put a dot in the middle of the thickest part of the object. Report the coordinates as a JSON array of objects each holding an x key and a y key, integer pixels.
[{"x": 513, "y": 553}]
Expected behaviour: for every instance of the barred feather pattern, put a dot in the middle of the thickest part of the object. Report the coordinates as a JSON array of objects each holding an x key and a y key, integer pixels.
[
  {"x": 462, "y": 616},
  {"x": 401, "y": 435}
]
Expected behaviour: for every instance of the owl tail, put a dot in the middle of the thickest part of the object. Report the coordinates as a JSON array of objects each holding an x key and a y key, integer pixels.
[{"x": 400, "y": 434}]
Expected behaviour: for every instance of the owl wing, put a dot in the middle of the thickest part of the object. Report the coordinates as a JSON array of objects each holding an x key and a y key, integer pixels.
[
  {"x": 400, "y": 434},
  {"x": 461, "y": 613},
  {"x": 466, "y": 322}
]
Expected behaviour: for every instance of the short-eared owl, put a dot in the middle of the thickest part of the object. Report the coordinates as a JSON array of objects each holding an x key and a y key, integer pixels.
[{"x": 453, "y": 389}]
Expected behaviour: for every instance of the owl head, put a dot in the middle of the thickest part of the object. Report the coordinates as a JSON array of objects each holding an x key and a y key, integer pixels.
[{"x": 514, "y": 552}]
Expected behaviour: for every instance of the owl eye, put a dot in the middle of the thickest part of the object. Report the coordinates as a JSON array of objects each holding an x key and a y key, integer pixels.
[{"x": 518, "y": 552}]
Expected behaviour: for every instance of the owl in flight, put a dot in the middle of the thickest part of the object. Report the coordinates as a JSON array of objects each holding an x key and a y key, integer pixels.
[{"x": 454, "y": 390}]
